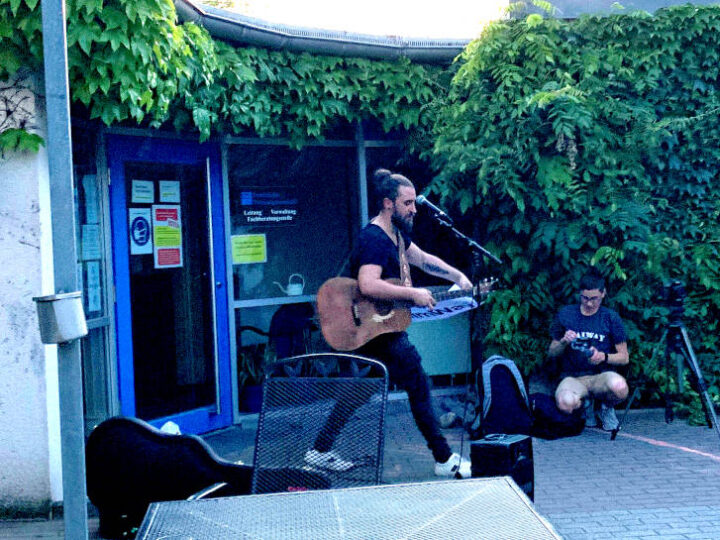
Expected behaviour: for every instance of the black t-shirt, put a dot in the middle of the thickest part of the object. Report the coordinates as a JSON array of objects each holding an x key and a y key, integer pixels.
[
  {"x": 604, "y": 330},
  {"x": 374, "y": 246}
]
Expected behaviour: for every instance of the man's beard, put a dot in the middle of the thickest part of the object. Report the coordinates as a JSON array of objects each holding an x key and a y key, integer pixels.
[{"x": 402, "y": 224}]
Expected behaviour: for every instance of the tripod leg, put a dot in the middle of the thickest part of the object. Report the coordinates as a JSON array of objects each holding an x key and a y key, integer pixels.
[
  {"x": 669, "y": 413},
  {"x": 680, "y": 368},
  {"x": 689, "y": 356},
  {"x": 614, "y": 432}
]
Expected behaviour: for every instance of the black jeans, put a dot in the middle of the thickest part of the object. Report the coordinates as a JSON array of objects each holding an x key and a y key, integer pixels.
[{"x": 404, "y": 366}]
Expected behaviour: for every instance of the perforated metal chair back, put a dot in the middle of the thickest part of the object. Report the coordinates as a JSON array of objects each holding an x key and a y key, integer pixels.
[{"x": 317, "y": 407}]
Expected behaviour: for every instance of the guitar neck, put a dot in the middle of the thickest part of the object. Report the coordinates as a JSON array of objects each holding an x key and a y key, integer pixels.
[{"x": 441, "y": 293}]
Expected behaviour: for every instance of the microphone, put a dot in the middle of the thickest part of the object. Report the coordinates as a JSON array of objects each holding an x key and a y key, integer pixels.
[{"x": 422, "y": 201}]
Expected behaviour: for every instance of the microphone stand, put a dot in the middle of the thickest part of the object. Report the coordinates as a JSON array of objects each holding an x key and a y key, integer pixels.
[{"x": 444, "y": 221}]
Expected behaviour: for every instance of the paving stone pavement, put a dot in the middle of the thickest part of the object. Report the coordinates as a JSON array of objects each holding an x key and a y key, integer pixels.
[{"x": 656, "y": 480}]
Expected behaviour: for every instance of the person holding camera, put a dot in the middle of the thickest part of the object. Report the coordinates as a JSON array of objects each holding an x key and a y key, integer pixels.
[{"x": 590, "y": 342}]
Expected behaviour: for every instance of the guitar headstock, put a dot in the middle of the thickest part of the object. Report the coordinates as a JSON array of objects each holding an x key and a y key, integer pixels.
[{"x": 486, "y": 286}]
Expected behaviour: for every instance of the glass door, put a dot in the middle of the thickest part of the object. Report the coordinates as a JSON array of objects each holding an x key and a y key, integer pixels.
[{"x": 171, "y": 304}]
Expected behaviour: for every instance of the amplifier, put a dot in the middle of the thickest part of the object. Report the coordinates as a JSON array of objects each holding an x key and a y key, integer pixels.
[{"x": 505, "y": 455}]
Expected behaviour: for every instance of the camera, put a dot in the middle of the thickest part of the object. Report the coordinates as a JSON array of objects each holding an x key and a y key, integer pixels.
[
  {"x": 674, "y": 293},
  {"x": 674, "y": 298},
  {"x": 582, "y": 345}
]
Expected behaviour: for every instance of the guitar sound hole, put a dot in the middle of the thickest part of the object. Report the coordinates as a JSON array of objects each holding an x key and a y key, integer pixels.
[{"x": 383, "y": 307}]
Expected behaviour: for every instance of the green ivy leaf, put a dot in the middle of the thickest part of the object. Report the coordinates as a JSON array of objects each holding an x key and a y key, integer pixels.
[
  {"x": 85, "y": 38},
  {"x": 15, "y": 6},
  {"x": 19, "y": 140}
]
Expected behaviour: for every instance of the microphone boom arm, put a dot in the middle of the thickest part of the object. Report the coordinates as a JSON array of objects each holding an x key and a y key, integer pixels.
[
  {"x": 444, "y": 220},
  {"x": 472, "y": 244}
]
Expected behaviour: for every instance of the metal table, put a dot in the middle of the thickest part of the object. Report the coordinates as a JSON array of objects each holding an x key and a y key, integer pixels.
[{"x": 474, "y": 508}]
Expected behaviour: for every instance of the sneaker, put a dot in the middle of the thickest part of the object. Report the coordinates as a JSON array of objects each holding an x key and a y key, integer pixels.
[
  {"x": 455, "y": 466},
  {"x": 327, "y": 460},
  {"x": 608, "y": 418},
  {"x": 590, "y": 420}
]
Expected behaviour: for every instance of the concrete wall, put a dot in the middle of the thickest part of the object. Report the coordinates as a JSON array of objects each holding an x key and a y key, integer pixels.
[{"x": 29, "y": 463}]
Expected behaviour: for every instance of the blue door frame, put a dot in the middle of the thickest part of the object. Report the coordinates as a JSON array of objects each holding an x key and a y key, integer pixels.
[{"x": 123, "y": 148}]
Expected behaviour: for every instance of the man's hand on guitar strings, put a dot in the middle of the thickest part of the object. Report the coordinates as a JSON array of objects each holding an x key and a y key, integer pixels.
[{"x": 423, "y": 298}]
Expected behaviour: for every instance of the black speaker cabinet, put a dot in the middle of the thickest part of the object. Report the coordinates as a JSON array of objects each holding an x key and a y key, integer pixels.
[{"x": 505, "y": 455}]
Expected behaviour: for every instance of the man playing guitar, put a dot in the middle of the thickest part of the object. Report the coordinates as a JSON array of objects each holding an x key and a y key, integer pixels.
[{"x": 384, "y": 250}]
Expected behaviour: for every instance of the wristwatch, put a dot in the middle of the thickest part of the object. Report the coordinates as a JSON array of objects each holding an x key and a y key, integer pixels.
[{"x": 606, "y": 357}]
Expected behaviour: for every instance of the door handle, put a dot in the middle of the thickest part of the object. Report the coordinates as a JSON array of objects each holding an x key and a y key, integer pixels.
[{"x": 218, "y": 284}]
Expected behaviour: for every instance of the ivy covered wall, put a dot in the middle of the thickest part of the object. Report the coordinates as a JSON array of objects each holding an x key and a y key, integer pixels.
[
  {"x": 565, "y": 143},
  {"x": 130, "y": 61},
  {"x": 592, "y": 142}
]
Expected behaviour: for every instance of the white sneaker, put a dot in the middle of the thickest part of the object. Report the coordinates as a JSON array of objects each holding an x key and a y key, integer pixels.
[
  {"x": 456, "y": 467},
  {"x": 327, "y": 460}
]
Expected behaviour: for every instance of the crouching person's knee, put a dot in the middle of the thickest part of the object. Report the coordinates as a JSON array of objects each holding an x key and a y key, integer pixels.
[
  {"x": 619, "y": 388},
  {"x": 567, "y": 401}
]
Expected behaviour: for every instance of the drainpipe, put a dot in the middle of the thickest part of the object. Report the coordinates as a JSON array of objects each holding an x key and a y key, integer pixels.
[
  {"x": 233, "y": 27},
  {"x": 59, "y": 150}
]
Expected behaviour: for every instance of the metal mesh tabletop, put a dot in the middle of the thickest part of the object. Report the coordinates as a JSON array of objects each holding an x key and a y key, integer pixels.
[{"x": 484, "y": 508}]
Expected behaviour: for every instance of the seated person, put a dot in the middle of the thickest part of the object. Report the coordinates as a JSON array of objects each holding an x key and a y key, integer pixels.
[{"x": 587, "y": 372}]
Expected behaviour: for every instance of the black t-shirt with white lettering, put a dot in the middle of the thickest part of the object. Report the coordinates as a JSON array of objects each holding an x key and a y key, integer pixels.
[
  {"x": 374, "y": 246},
  {"x": 604, "y": 330}
]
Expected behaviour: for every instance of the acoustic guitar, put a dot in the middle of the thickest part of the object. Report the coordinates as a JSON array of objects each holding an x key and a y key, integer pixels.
[{"x": 348, "y": 319}]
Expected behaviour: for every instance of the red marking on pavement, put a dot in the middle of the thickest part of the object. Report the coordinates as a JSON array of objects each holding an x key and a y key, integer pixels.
[{"x": 664, "y": 444}]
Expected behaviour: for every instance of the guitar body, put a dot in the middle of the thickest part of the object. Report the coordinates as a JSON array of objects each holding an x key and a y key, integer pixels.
[{"x": 348, "y": 319}]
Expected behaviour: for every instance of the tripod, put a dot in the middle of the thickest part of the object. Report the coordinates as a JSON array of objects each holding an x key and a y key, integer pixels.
[{"x": 677, "y": 344}]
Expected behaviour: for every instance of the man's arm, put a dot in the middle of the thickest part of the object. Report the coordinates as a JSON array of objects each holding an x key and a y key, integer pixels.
[
  {"x": 371, "y": 284},
  {"x": 621, "y": 357},
  {"x": 436, "y": 266},
  {"x": 557, "y": 346}
]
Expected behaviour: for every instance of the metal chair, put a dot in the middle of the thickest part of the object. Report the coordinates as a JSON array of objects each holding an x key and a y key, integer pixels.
[
  {"x": 290, "y": 331},
  {"x": 335, "y": 398}
]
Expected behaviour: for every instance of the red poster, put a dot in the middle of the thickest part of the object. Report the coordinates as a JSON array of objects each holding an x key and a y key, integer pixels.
[
  {"x": 165, "y": 214},
  {"x": 168, "y": 257},
  {"x": 167, "y": 235}
]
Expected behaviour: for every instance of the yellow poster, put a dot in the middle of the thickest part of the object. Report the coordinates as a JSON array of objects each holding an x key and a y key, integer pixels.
[
  {"x": 167, "y": 236},
  {"x": 249, "y": 248}
]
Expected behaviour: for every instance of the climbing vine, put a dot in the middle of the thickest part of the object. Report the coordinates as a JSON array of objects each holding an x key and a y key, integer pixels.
[
  {"x": 592, "y": 142},
  {"x": 566, "y": 144},
  {"x": 17, "y": 118},
  {"x": 130, "y": 61}
]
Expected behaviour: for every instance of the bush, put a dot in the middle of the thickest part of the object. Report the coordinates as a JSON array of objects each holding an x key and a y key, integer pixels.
[{"x": 591, "y": 142}]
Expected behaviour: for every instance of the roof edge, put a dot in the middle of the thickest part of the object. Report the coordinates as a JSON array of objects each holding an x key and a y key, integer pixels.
[{"x": 230, "y": 26}]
